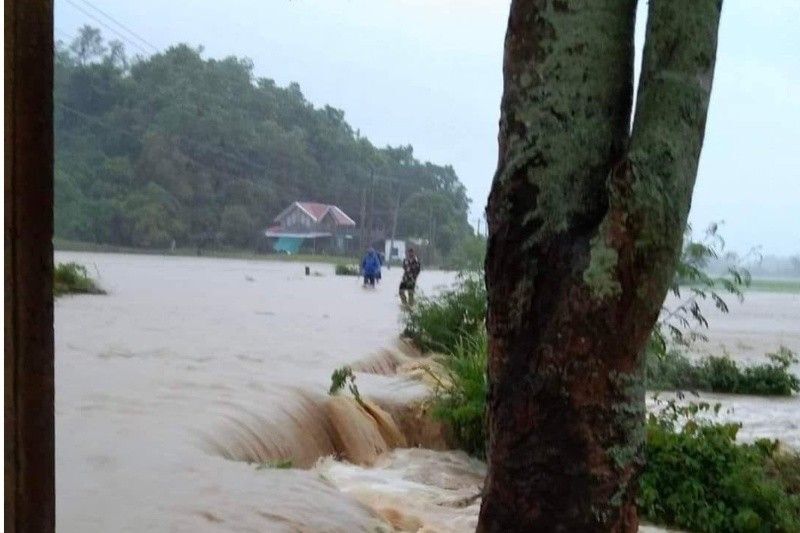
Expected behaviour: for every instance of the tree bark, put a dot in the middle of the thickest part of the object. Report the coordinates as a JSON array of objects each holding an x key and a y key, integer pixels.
[{"x": 585, "y": 226}]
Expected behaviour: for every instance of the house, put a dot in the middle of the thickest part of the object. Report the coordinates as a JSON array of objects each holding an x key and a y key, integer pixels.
[{"x": 314, "y": 226}]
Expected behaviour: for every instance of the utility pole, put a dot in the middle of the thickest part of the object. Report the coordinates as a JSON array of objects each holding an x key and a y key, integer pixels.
[
  {"x": 394, "y": 228},
  {"x": 363, "y": 219},
  {"x": 430, "y": 234},
  {"x": 371, "y": 207}
]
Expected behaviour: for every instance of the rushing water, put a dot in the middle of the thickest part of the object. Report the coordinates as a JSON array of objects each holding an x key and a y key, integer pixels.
[{"x": 192, "y": 366}]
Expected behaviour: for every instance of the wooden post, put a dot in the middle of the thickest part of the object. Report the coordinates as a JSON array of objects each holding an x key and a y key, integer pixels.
[{"x": 29, "y": 417}]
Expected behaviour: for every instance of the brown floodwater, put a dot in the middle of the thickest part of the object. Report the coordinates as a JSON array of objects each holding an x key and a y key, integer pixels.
[{"x": 171, "y": 389}]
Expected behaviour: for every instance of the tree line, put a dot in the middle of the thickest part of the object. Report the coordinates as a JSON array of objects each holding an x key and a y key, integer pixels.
[{"x": 178, "y": 148}]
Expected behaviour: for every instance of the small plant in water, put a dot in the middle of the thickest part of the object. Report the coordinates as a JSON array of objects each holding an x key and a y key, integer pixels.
[
  {"x": 342, "y": 377},
  {"x": 280, "y": 464},
  {"x": 73, "y": 278}
]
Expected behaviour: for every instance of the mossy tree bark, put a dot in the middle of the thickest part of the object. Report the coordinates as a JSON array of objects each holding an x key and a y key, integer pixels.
[{"x": 586, "y": 217}]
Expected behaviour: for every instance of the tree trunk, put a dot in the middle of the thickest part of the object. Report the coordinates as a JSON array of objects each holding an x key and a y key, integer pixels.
[{"x": 585, "y": 226}]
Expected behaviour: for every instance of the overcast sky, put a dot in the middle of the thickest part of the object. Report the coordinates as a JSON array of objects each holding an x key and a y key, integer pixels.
[{"x": 428, "y": 73}]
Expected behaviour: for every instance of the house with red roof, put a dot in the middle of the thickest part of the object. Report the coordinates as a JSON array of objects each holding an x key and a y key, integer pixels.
[{"x": 314, "y": 226}]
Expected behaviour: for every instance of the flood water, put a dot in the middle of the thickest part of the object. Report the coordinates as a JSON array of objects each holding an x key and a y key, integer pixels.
[{"x": 190, "y": 367}]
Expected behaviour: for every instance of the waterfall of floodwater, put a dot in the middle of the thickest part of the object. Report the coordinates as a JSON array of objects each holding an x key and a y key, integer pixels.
[{"x": 179, "y": 392}]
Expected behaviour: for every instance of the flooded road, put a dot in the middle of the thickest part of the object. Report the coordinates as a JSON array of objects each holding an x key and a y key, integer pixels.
[{"x": 188, "y": 361}]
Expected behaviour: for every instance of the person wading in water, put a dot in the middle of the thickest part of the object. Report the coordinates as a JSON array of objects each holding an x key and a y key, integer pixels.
[
  {"x": 411, "y": 268},
  {"x": 371, "y": 268}
]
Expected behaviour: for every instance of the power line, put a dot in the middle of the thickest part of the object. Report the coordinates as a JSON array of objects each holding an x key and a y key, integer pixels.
[
  {"x": 64, "y": 34},
  {"x": 106, "y": 26},
  {"x": 380, "y": 178},
  {"x": 121, "y": 25},
  {"x": 229, "y": 155}
]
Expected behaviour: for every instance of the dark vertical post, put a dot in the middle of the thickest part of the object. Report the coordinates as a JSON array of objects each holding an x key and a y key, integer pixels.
[
  {"x": 394, "y": 229},
  {"x": 29, "y": 419},
  {"x": 363, "y": 219},
  {"x": 371, "y": 215}
]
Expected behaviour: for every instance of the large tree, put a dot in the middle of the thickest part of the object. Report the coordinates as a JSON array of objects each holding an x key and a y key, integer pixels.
[{"x": 586, "y": 217}]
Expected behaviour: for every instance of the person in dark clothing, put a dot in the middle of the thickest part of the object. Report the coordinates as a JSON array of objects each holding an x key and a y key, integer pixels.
[
  {"x": 411, "y": 268},
  {"x": 371, "y": 268}
]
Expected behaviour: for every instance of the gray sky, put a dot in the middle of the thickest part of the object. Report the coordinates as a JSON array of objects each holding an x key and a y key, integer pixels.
[{"x": 428, "y": 73}]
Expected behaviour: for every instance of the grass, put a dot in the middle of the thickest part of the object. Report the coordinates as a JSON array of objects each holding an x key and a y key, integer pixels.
[
  {"x": 226, "y": 253},
  {"x": 73, "y": 278},
  {"x": 460, "y": 398},
  {"x": 675, "y": 371},
  {"x": 774, "y": 285},
  {"x": 791, "y": 286}
]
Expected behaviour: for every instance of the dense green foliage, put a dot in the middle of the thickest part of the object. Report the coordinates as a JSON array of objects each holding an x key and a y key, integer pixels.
[
  {"x": 175, "y": 147},
  {"x": 438, "y": 323},
  {"x": 73, "y": 278},
  {"x": 699, "y": 478},
  {"x": 675, "y": 371},
  {"x": 347, "y": 270}
]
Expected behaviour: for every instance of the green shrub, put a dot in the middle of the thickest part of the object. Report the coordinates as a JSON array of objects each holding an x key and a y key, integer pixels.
[
  {"x": 670, "y": 371},
  {"x": 460, "y": 398},
  {"x": 699, "y": 478},
  {"x": 719, "y": 374},
  {"x": 674, "y": 371},
  {"x": 347, "y": 270},
  {"x": 438, "y": 323},
  {"x": 73, "y": 278},
  {"x": 773, "y": 378}
]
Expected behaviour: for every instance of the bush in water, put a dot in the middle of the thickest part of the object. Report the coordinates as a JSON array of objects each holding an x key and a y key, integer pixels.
[
  {"x": 674, "y": 371},
  {"x": 347, "y": 270},
  {"x": 72, "y": 278}
]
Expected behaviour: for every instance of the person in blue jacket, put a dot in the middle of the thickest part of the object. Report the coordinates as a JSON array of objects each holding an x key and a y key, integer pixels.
[{"x": 371, "y": 267}]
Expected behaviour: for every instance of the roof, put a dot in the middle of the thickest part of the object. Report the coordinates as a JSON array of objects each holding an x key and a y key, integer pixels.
[
  {"x": 340, "y": 216},
  {"x": 317, "y": 212}
]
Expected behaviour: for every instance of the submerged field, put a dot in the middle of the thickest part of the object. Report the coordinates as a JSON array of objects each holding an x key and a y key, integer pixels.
[{"x": 190, "y": 367}]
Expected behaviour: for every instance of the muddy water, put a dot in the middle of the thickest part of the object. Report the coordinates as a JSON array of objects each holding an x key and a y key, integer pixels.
[
  {"x": 186, "y": 352},
  {"x": 191, "y": 366}
]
